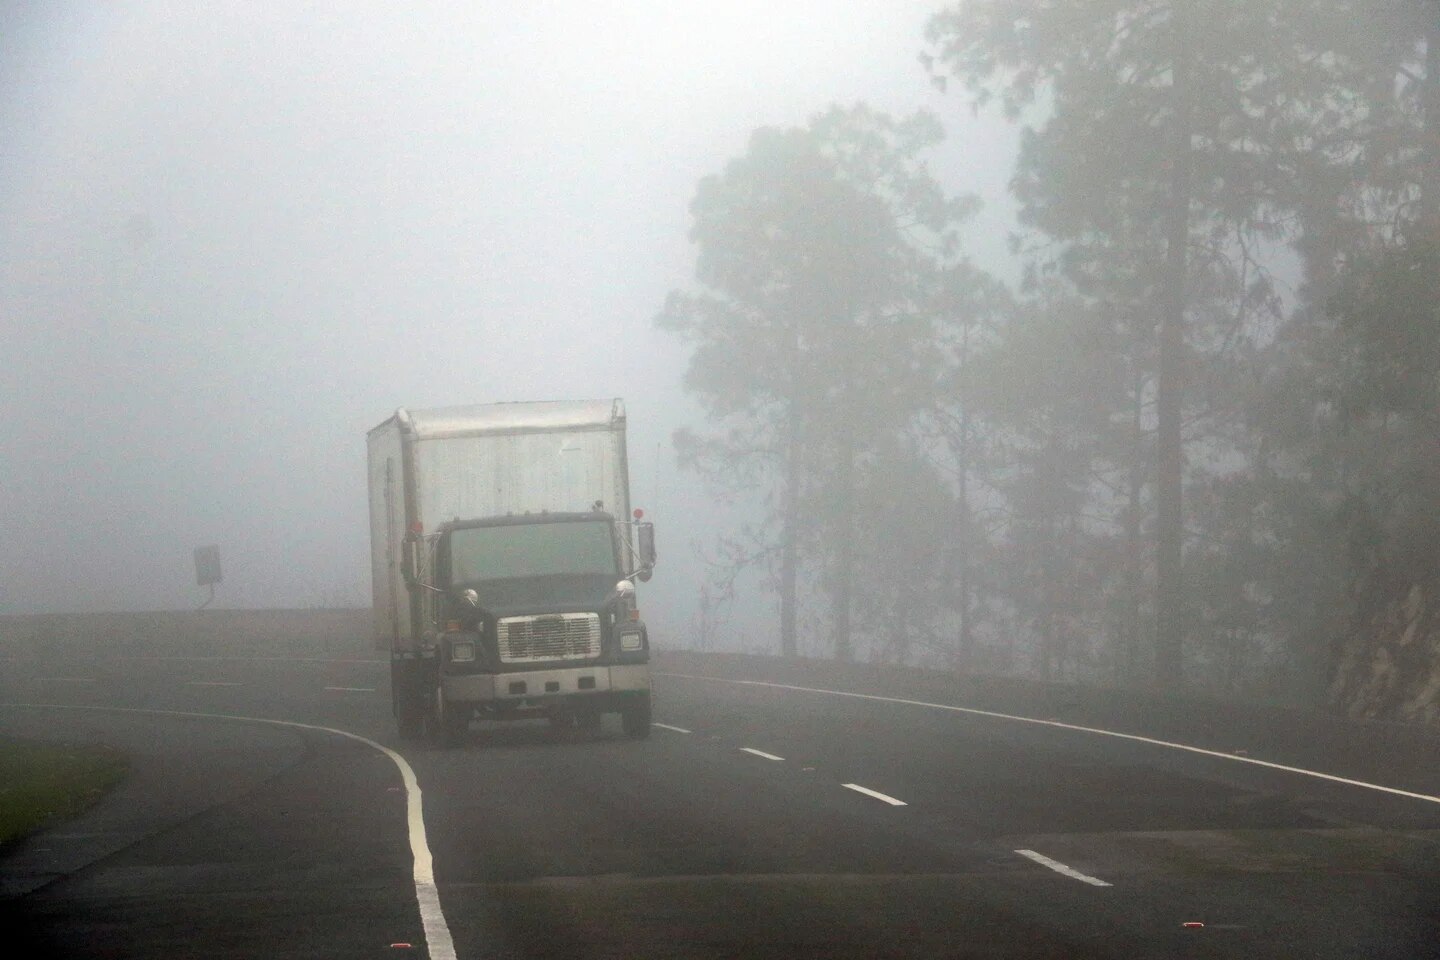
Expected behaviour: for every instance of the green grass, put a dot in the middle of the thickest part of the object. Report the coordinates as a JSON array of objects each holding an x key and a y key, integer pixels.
[{"x": 44, "y": 783}]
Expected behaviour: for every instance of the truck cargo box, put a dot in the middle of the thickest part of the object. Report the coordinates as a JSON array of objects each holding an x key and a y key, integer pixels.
[{"x": 427, "y": 467}]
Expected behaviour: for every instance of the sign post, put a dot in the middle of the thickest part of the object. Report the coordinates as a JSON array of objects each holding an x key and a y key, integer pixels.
[{"x": 207, "y": 571}]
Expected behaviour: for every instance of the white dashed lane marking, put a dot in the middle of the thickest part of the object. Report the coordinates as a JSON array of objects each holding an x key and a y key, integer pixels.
[
  {"x": 1060, "y": 868},
  {"x": 352, "y": 689},
  {"x": 666, "y": 726},
  {"x": 1237, "y": 757},
  {"x": 64, "y": 679},
  {"x": 761, "y": 753},
  {"x": 874, "y": 793},
  {"x": 213, "y": 683}
]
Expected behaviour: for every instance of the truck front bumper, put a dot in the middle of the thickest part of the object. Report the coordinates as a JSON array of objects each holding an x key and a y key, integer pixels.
[{"x": 600, "y": 682}]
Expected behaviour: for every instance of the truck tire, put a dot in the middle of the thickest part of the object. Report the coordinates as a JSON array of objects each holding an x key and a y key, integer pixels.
[
  {"x": 411, "y": 724},
  {"x": 448, "y": 722},
  {"x": 457, "y": 725},
  {"x": 635, "y": 718},
  {"x": 406, "y": 701}
]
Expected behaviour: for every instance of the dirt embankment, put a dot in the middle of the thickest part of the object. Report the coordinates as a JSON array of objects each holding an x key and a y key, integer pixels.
[{"x": 190, "y": 633}]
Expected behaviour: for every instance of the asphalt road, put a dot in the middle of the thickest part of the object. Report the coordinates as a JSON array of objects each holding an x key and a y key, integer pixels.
[{"x": 757, "y": 821}]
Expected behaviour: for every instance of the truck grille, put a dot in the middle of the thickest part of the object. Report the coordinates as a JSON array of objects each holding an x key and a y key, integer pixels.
[{"x": 559, "y": 636}]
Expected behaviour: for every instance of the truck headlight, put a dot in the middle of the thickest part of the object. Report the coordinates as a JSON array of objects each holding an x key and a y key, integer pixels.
[
  {"x": 631, "y": 641},
  {"x": 462, "y": 651}
]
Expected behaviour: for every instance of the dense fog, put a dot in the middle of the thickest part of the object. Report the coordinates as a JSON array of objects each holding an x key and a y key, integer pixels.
[
  {"x": 233, "y": 239},
  {"x": 1094, "y": 341}
]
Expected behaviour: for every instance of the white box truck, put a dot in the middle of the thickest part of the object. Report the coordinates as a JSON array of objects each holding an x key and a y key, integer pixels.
[{"x": 503, "y": 560}]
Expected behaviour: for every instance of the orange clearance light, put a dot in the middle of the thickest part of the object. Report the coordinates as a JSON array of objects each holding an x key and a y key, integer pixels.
[
  {"x": 452, "y": 626},
  {"x": 639, "y": 513}
]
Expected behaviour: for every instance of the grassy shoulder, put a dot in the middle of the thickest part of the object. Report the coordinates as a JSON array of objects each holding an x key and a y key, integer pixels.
[{"x": 45, "y": 783}]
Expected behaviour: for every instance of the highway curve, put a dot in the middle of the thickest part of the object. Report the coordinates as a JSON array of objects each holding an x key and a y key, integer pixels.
[{"x": 772, "y": 819}]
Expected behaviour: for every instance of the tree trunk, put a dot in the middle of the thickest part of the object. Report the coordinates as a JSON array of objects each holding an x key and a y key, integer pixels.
[
  {"x": 966, "y": 650},
  {"x": 790, "y": 535},
  {"x": 1049, "y": 561},
  {"x": 900, "y": 626},
  {"x": 707, "y": 623},
  {"x": 1169, "y": 388},
  {"x": 1047, "y": 600},
  {"x": 845, "y": 548},
  {"x": 965, "y": 642},
  {"x": 1134, "y": 580},
  {"x": 1430, "y": 136}
]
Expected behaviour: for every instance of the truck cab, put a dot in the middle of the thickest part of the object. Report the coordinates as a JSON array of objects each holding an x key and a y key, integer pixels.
[{"x": 535, "y": 616}]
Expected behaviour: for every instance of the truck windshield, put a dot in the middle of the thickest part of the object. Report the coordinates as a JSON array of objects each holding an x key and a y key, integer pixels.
[{"x": 531, "y": 550}]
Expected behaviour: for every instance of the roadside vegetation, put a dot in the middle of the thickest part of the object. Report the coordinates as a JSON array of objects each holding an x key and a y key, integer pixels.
[
  {"x": 1190, "y": 443},
  {"x": 43, "y": 783}
]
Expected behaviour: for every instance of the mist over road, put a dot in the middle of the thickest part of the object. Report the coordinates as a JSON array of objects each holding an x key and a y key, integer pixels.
[{"x": 759, "y": 819}]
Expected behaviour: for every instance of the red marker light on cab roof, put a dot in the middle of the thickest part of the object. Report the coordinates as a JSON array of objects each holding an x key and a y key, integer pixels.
[
  {"x": 417, "y": 527},
  {"x": 639, "y": 513}
]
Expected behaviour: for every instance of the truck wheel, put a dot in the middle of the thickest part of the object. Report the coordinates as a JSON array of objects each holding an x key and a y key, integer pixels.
[
  {"x": 406, "y": 702},
  {"x": 411, "y": 723},
  {"x": 635, "y": 719},
  {"x": 457, "y": 724},
  {"x": 448, "y": 721}
]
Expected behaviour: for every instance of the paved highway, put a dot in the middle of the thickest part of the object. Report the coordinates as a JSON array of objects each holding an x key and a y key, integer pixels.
[{"x": 759, "y": 820}]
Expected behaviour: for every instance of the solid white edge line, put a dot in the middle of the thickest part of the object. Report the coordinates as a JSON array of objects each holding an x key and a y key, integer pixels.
[
  {"x": 253, "y": 659},
  {"x": 1059, "y": 867},
  {"x": 666, "y": 726},
  {"x": 874, "y": 793},
  {"x": 1075, "y": 727},
  {"x": 218, "y": 659},
  {"x": 19, "y": 659},
  {"x": 352, "y": 689},
  {"x": 761, "y": 753},
  {"x": 63, "y": 679},
  {"x": 438, "y": 943},
  {"x": 214, "y": 683}
]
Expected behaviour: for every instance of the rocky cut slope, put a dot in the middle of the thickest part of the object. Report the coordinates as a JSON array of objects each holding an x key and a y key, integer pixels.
[{"x": 1388, "y": 664}]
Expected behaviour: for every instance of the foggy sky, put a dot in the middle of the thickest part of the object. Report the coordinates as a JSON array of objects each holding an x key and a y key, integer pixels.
[{"x": 232, "y": 240}]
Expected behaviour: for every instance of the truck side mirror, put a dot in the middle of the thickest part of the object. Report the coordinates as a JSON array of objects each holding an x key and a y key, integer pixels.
[
  {"x": 409, "y": 562},
  {"x": 645, "y": 533}
]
